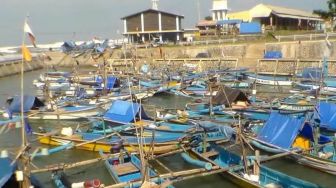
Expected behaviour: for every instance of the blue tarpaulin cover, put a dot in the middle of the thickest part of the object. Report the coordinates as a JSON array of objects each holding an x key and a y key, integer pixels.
[
  {"x": 29, "y": 102},
  {"x": 110, "y": 82},
  {"x": 308, "y": 133},
  {"x": 229, "y": 22},
  {"x": 250, "y": 28},
  {"x": 273, "y": 55},
  {"x": 281, "y": 130},
  {"x": 122, "y": 111},
  {"x": 6, "y": 170},
  {"x": 326, "y": 112},
  {"x": 312, "y": 73}
]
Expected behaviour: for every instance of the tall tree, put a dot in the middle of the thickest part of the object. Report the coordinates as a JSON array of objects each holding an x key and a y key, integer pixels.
[{"x": 330, "y": 14}]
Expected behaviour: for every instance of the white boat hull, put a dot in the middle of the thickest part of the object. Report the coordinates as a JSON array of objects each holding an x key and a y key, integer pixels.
[
  {"x": 65, "y": 115},
  {"x": 271, "y": 82}
]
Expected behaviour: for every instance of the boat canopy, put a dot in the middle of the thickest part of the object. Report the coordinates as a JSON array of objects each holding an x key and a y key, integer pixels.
[
  {"x": 281, "y": 130},
  {"x": 326, "y": 112},
  {"x": 226, "y": 96},
  {"x": 124, "y": 112},
  {"x": 6, "y": 170},
  {"x": 30, "y": 102},
  {"x": 308, "y": 132},
  {"x": 112, "y": 82}
]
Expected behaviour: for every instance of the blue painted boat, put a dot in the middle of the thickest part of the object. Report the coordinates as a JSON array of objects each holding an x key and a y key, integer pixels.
[
  {"x": 159, "y": 137},
  {"x": 326, "y": 112},
  {"x": 7, "y": 175},
  {"x": 128, "y": 169},
  {"x": 267, "y": 177},
  {"x": 283, "y": 133},
  {"x": 197, "y": 88},
  {"x": 36, "y": 109},
  {"x": 6, "y": 171},
  {"x": 297, "y": 103},
  {"x": 264, "y": 114},
  {"x": 225, "y": 98},
  {"x": 133, "y": 114},
  {"x": 212, "y": 132},
  {"x": 150, "y": 83},
  {"x": 203, "y": 108},
  {"x": 315, "y": 78}
]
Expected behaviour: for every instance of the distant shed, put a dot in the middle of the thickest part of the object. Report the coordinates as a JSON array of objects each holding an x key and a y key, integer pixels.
[
  {"x": 153, "y": 24},
  {"x": 277, "y": 17}
]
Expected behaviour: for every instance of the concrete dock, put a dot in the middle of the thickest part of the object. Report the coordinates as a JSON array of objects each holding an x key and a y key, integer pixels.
[{"x": 11, "y": 64}]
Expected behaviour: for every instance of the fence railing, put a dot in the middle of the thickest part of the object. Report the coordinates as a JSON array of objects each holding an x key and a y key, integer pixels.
[
  {"x": 291, "y": 66},
  {"x": 306, "y": 37}
]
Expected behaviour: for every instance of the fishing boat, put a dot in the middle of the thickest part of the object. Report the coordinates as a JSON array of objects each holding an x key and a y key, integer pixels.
[
  {"x": 269, "y": 80},
  {"x": 36, "y": 109},
  {"x": 126, "y": 112},
  {"x": 95, "y": 142},
  {"x": 225, "y": 98},
  {"x": 297, "y": 103},
  {"x": 265, "y": 177},
  {"x": 283, "y": 133},
  {"x": 8, "y": 177},
  {"x": 159, "y": 86},
  {"x": 60, "y": 180},
  {"x": 198, "y": 88},
  {"x": 326, "y": 113},
  {"x": 127, "y": 169}
]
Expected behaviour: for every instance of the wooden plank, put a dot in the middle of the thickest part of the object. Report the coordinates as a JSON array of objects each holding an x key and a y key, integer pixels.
[
  {"x": 125, "y": 168},
  {"x": 209, "y": 154}
]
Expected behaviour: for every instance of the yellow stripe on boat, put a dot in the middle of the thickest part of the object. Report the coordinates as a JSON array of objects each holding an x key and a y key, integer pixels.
[{"x": 106, "y": 147}]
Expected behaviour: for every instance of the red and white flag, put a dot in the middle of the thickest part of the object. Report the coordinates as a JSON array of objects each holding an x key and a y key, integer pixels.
[{"x": 30, "y": 33}]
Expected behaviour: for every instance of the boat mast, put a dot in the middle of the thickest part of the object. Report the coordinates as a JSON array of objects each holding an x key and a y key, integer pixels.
[{"x": 24, "y": 158}]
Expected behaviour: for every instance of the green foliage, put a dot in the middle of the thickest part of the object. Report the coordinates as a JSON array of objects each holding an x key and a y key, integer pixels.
[
  {"x": 209, "y": 18},
  {"x": 329, "y": 14}
]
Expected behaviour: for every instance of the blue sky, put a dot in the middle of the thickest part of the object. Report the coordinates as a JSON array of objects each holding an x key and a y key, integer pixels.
[{"x": 57, "y": 20}]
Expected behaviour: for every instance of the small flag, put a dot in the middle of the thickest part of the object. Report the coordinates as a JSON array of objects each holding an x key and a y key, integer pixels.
[
  {"x": 30, "y": 33},
  {"x": 26, "y": 53}
]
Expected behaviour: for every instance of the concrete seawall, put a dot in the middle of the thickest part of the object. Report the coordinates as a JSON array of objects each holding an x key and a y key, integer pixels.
[
  {"x": 247, "y": 55},
  {"x": 307, "y": 49},
  {"x": 14, "y": 67}
]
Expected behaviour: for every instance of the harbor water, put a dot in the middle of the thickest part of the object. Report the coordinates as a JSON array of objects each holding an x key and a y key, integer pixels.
[{"x": 10, "y": 140}]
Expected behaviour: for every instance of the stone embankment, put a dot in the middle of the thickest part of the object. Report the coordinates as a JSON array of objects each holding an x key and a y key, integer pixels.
[
  {"x": 12, "y": 64},
  {"x": 246, "y": 55}
]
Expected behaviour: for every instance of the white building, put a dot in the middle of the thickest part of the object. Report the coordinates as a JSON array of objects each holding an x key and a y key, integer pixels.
[{"x": 219, "y": 9}]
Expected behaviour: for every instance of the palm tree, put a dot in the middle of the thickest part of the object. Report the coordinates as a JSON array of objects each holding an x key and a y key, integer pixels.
[{"x": 330, "y": 14}]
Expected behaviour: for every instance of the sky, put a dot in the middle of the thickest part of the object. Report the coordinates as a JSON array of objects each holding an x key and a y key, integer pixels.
[{"x": 59, "y": 20}]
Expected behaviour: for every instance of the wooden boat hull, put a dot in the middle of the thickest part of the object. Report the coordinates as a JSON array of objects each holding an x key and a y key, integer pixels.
[
  {"x": 316, "y": 163},
  {"x": 307, "y": 160},
  {"x": 106, "y": 146},
  {"x": 241, "y": 182}
]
